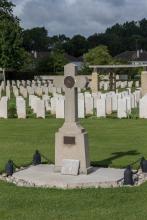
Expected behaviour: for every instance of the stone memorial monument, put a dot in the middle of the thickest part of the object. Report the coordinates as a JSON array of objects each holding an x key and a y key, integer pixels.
[{"x": 71, "y": 141}]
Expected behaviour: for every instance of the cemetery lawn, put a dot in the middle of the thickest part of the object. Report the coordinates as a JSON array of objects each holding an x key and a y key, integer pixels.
[{"x": 113, "y": 142}]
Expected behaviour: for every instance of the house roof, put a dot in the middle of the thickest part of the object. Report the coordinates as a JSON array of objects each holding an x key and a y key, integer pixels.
[{"x": 133, "y": 56}]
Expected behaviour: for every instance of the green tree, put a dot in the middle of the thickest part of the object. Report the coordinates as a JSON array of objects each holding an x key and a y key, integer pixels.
[
  {"x": 98, "y": 56},
  {"x": 6, "y": 9},
  {"x": 76, "y": 46},
  {"x": 53, "y": 63},
  {"x": 12, "y": 55},
  {"x": 36, "y": 39},
  {"x": 56, "y": 42},
  {"x": 59, "y": 61}
]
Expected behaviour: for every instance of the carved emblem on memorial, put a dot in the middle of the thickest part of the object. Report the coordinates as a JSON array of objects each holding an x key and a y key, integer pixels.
[{"x": 69, "y": 82}]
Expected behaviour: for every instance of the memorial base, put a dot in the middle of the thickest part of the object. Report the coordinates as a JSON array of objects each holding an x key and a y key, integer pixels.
[{"x": 71, "y": 142}]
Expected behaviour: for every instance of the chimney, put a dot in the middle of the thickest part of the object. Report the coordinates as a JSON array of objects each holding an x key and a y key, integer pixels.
[
  {"x": 35, "y": 54},
  {"x": 138, "y": 53}
]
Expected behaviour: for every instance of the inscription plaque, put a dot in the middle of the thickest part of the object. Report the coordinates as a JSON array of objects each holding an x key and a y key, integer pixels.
[{"x": 69, "y": 140}]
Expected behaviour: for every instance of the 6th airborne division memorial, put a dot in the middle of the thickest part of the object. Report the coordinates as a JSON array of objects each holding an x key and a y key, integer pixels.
[
  {"x": 71, "y": 140},
  {"x": 72, "y": 162}
]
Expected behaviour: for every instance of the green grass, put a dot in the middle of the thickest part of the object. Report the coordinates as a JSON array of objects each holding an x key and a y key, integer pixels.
[
  {"x": 50, "y": 204},
  {"x": 112, "y": 142}
]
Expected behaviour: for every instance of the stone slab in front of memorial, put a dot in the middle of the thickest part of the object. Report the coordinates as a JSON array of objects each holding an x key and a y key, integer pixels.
[
  {"x": 71, "y": 141},
  {"x": 70, "y": 167}
]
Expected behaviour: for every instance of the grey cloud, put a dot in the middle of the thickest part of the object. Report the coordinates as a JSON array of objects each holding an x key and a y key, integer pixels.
[{"x": 78, "y": 16}]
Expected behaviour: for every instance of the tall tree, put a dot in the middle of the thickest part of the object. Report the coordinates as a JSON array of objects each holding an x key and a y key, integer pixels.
[{"x": 12, "y": 55}]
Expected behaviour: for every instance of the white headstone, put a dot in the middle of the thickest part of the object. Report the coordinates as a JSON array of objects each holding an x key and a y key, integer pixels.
[
  {"x": 122, "y": 108},
  {"x": 101, "y": 108},
  {"x": 60, "y": 106},
  {"x": 21, "y": 107},
  {"x": 108, "y": 105},
  {"x": 81, "y": 106},
  {"x": 114, "y": 102},
  {"x": 89, "y": 104},
  {"x": 143, "y": 107},
  {"x": 40, "y": 110},
  {"x": 3, "y": 107}
]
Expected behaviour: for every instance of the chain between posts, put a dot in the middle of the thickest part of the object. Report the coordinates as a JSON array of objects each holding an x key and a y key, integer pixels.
[{"x": 26, "y": 166}]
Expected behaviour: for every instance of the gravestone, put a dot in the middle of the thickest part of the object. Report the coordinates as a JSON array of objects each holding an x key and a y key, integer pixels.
[
  {"x": 60, "y": 104},
  {"x": 40, "y": 108},
  {"x": 95, "y": 96},
  {"x": 89, "y": 104},
  {"x": 21, "y": 107},
  {"x": 71, "y": 141},
  {"x": 114, "y": 102},
  {"x": 53, "y": 105},
  {"x": 81, "y": 106},
  {"x": 143, "y": 107},
  {"x": 128, "y": 100},
  {"x": 3, "y": 107},
  {"x": 34, "y": 100},
  {"x": 122, "y": 108},
  {"x": 108, "y": 105},
  {"x": 101, "y": 108}
]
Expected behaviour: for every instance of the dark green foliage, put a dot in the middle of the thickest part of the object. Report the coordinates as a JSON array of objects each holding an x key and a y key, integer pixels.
[
  {"x": 36, "y": 39},
  {"x": 53, "y": 63},
  {"x": 12, "y": 54},
  {"x": 6, "y": 10},
  {"x": 76, "y": 46},
  {"x": 12, "y": 110},
  {"x": 122, "y": 37}
]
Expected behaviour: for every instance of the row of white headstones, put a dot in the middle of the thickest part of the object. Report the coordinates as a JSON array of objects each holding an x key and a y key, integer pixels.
[
  {"x": 40, "y": 88},
  {"x": 104, "y": 104},
  {"x": 119, "y": 84}
]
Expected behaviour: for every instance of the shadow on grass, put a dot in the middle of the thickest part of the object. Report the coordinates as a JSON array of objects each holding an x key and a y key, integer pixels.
[{"x": 108, "y": 161}]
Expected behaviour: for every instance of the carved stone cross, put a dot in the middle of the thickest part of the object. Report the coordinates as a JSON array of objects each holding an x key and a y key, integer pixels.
[
  {"x": 71, "y": 141},
  {"x": 71, "y": 82}
]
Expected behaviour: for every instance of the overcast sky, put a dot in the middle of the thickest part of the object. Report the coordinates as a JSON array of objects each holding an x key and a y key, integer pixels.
[{"x": 72, "y": 17}]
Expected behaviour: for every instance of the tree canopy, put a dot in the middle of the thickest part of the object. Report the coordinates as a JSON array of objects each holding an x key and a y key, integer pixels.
[
  {"x": 53, "y": 63},
  {"x": 98, "y": 56},
  {"x": 12, "y": 54},
  {"x": 11, "y": 50},
  {"x": 36, "y": 39},
  {"x": 118, "y": 38},
  {"x": 6, "y": 9}
]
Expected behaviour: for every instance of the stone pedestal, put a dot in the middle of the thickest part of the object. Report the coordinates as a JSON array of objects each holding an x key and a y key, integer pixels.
[
  {"x": 71, "y": 142},
  {"x": 95, "y": 82},
  {"x": 144, "y": 82}
]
